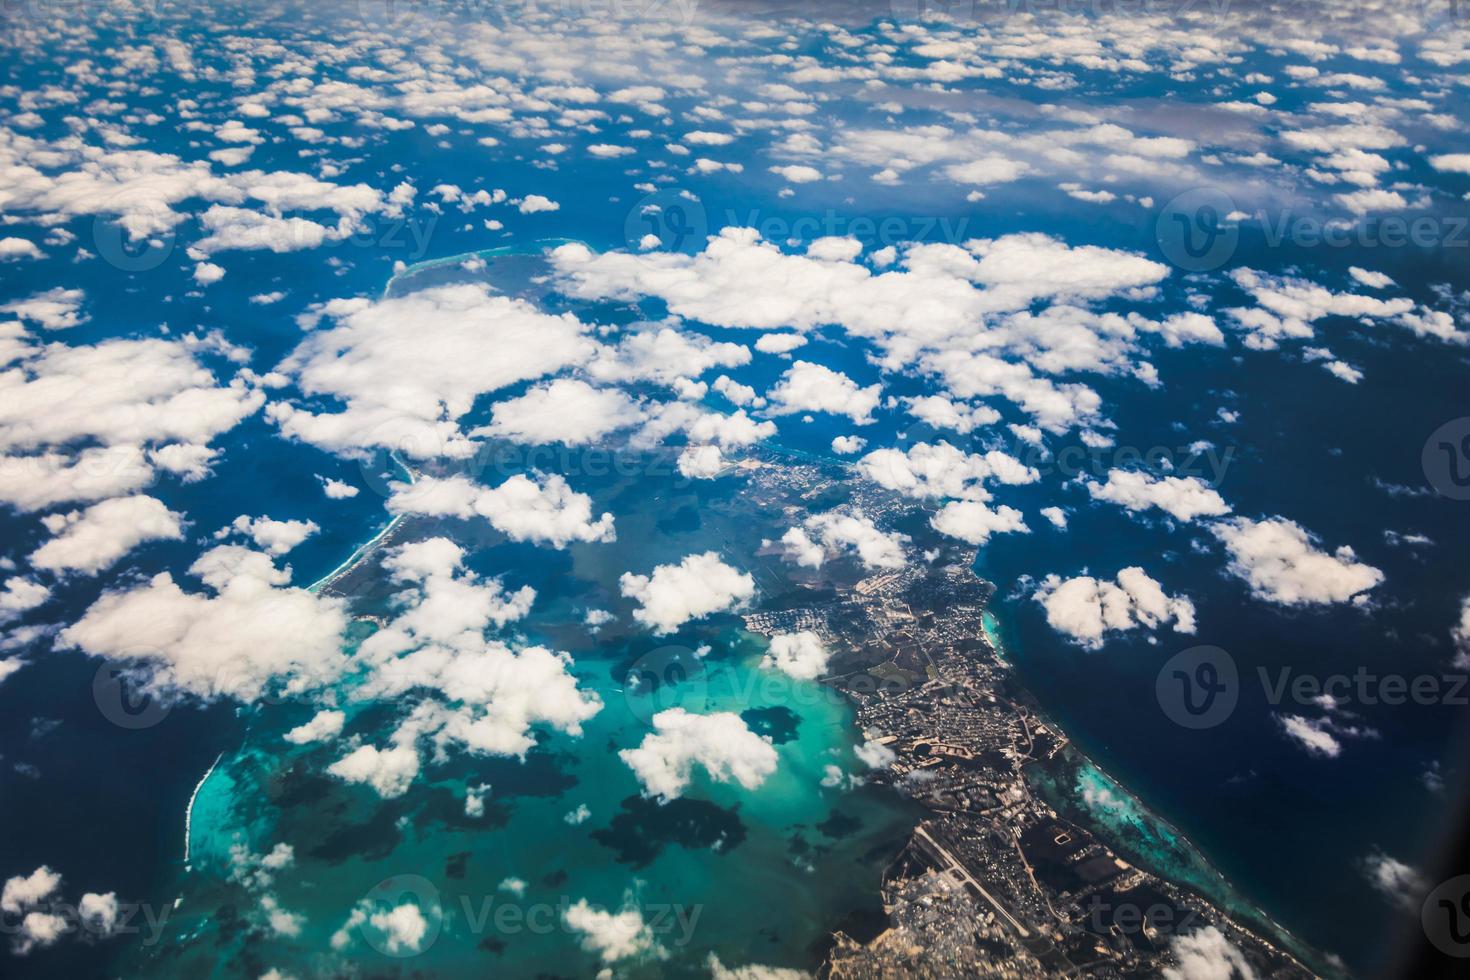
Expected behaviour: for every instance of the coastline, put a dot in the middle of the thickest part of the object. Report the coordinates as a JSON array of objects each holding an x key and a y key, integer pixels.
[
  {"x": 189, "y": 810},
  {"x": 365, "y": 549},
  {"x": 1224, "y": 893},
  {"x": 992, "y": 631}
]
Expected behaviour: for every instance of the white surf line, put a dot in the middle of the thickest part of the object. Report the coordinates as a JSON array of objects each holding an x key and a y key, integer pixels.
[
  {"x": 364, "y": 548},
  {"x": 356, "y": 554},
  {"x": 189, "y": 810}
]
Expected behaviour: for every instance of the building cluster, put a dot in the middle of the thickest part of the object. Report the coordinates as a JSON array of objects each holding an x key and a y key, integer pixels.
[{"x": 995, "y": 882}]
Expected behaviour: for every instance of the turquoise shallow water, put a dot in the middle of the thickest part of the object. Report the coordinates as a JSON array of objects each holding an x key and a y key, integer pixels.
[
  {"x": 812, "y": 854},
  {"x": 751, "y": 876}
]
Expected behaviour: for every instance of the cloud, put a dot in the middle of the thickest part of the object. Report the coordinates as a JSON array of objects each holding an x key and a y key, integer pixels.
[
  {"x": 855, "y": 532},
  {"x": 779, "y": 343},
  {"x": 1206, "y": 954},
  {"x": 752, "y": 971},
  {"x": 536, "y": 203},
  {"x": 122, "y": 396},
  {"x": 407, "y": 368},
  {"x": 875, "y": 755},
  {"x": 13, "y": 249},
  {"x": 612, "y": 936},
  {"x": 664, "y": 356},
  {"x": 934, "y": 471},
  {"x": 701, "y": 462},
  {"x": 473, "y": 691},
  {"x": 1312, "y": 734},
  {"x": 974, "y": 522},
  {"x": 54, "y": 309},
  {"x": 44, "y": 480},
  {"x": 390, "y": 772},
  {"x": 696, "y": 587},
  {"x": 987, "y": 170},
  {"x": 809, "y": 387},
  {"x": 1398, "y": 882},
  {"x": 1182, "y": 497},
  {"x": 206, "y": 273},
  {"x": 337, "y": 490},
  {"x": 91, "y": 540},
  {"x": 801, "y": 655},
  {"x": 1459, "y": 634},
  {"x": 721, "y": 743},
  {"x": 565, "y": 411},
  {"x": 1453, "y": 163},
  {"x": 19, "y": 596},
  {"x": 241, "y": 228},
  {"x": 1086, "y": 608},
  {"x": 546, "y": 512},
  {"x": 943, "y": 413},
  {"x": 797, "y": 546},
  {"x": 323, "y": 726},
  {"x": 255, "y": 632},
  {"x": 34, "y": 902},
  {"x": 937, "y": 300},
  {"x": 27, "y": 891},
  {"x": 1287, "y": 307},
  {"x": 403, "y": 928},
  {"x": 728, "y": 431},
  {"x": 797, "y": 173},
  {"x": 1281, "y": 563},
  {"x": 271, "y": 536}
]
